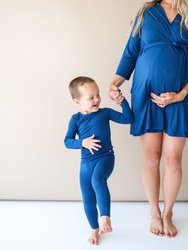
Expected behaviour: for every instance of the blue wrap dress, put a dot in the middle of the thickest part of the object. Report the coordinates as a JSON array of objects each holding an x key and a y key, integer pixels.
[{"x": 159, "y": 56}]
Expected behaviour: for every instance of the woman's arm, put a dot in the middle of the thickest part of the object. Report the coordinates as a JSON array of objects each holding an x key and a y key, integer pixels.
[
  {"x": 183, "y": 93},
  {"x": 126, "y": 65},
  {"x": 117, "y": 81},
  {"x": 170, "y": 97}
]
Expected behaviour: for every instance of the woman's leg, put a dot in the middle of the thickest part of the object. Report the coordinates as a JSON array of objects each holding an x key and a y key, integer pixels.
[
  {"x": 89, "y": 200},
  {"x": 172, "y": 153},
  {"x": 102, "y": 171},
  {"x": 152, "y": 147}
]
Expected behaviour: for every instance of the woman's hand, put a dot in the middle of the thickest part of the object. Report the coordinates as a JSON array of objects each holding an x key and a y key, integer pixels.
[
  {"x": 91, "y": 144},
  {"x": 170, "y": 97},
  {"x": 165, "y": 99}
]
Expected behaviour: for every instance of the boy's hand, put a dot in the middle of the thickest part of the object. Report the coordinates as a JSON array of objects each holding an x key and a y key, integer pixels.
[
  {"x": 115, "y": 94},
  {"x": 91, "y": 143},
  {"x": 119, "y": 100}
]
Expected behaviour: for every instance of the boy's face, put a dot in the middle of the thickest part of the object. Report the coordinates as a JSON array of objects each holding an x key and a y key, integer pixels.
[{"x": 90, "y": 99}]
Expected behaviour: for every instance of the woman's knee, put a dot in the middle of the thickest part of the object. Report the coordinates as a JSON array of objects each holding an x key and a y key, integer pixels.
[
  {"x": 152, "y": 159},
  {"x": 173, "y": 162}
]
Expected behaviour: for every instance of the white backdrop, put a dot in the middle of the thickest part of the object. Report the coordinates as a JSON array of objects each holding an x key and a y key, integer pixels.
[{"x": 43, "y": 45}]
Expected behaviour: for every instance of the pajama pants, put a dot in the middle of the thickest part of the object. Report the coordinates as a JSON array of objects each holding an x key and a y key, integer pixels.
[{"x": 94, "y": 188}]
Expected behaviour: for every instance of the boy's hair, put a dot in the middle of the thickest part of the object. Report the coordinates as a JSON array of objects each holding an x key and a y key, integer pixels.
[{"x": 76, "y": 83}]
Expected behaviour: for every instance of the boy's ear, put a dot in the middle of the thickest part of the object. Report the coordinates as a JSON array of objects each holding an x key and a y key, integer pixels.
[{"x": 77, "y": 101}]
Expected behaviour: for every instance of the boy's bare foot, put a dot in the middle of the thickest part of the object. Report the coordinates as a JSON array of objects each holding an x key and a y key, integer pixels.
[
  {"x": 169, "y": 229},
  {"x": 105, "y": 225},
  {"x": 94, "y": 237},
  {"x": 156, "y": 226}
]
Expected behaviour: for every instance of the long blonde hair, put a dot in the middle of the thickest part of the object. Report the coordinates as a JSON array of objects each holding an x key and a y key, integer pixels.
[{"x": 182, "y": 7}]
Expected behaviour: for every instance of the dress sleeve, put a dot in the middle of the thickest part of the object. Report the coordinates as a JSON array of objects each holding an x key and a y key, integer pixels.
[
  {"x": 125, "y": 117},
  {"x": 129, "y": 57},
  {"x": 70, "y": 141}
]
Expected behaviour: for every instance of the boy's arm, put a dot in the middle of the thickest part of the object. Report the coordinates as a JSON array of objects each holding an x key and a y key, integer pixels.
[
  {"x": 70, "y": 141},
  {"x": 125, "y": 117}
]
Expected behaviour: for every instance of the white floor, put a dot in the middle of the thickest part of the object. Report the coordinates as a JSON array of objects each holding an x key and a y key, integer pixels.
[{"x": 63, "y": 226}]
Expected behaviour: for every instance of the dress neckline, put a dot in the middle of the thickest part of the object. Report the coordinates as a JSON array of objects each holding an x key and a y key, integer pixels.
[{"x": 166, "y": 17}]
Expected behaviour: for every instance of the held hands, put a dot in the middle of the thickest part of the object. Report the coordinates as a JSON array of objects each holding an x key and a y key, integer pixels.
[
  {"x": 165, "y": 99},
  {"x": 115, "y": 94},
  {"x": 91, "y": 143}
]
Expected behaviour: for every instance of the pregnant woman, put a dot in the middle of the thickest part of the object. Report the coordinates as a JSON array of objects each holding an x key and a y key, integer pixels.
[{"x": 158, "y": 52}]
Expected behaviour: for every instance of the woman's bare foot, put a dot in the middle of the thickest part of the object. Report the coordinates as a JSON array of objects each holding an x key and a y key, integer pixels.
[
  {"x": 156, "y": 226},
  {"x": 94, "y": 237},
  {"x": 169, "y": 229},
  {"x": 105, "y": 225}
]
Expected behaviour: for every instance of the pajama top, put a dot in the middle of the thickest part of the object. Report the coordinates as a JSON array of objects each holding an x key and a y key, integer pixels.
[{"x": 97, "y": 123}]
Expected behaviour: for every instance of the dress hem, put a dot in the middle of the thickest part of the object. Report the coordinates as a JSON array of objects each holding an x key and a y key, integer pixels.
[{"x": 159, "y": 131}]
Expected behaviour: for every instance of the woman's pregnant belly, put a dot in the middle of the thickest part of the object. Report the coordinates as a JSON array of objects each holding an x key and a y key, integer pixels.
[{"x": 160, "y": 69}]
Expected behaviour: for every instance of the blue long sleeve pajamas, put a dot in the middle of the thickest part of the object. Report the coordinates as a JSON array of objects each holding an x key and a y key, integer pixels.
[{"x": 95, "y": 169}]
